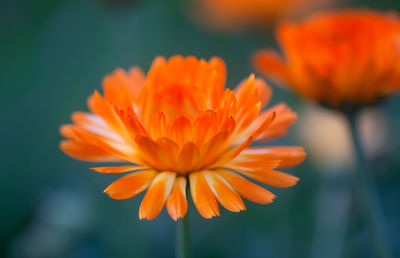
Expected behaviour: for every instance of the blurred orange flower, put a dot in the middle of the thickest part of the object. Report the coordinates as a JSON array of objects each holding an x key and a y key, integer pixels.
[
  {"x": 242, "y": 13},
  {"x": 348, "y": 58},
  {"x": 179, "y": 124}
]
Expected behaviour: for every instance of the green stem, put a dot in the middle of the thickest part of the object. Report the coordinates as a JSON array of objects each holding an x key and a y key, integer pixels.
[
  {"x": 367, "y": 193},
  {"x": 183, "y": 247}
]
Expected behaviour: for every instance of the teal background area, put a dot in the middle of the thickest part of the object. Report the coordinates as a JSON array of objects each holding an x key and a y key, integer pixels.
[{"x": 54, "y": 55}]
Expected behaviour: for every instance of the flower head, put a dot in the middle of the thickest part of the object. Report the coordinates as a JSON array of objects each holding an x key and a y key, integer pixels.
[
  {"x": 178, "y": 127},
  {"x": 338, "y": 58},
  {"x": 243, "y": 13}
]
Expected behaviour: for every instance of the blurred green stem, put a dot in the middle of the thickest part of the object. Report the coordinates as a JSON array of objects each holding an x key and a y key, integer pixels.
[
  {"x": 333, "y": 206},
  {"x": 367, "y": 193},
  {"x": 182, "y": 248}
]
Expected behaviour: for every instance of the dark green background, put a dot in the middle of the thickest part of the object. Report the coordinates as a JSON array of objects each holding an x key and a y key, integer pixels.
[{"x": 53, "y": 55}]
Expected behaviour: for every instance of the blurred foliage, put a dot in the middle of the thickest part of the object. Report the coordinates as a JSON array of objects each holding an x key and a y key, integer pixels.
[{"x": 54, "y": 54}]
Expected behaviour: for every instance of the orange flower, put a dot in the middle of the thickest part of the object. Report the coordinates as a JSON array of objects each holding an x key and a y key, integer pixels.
[
  {"x": 338, "y": 58},
  {"x": 178, "y": 123},
  {"x": 239, "y": 13}
]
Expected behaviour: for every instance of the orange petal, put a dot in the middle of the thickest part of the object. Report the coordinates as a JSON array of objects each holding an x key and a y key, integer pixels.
[
  {"x": 175, "y": 65},
  {"x": 281, "y": 179},
  {"x": 83, "y": 118},
  {"x": 247, "y": 165},
  {"x": 218, "y": 64},
  {"x": 159, "y": 191},
  {"x": 171, "y": 150},
  {"x": 179, "y": 130},
  {"x": 177, "y": 204},
  {"x": 261, "y": 125},
  {"x": 228, "y": 124},
  {"x": 133, "y": 124},
  {"x": 247, "y": 189},
  {"x": 288, "y": 155},
  {"x": 270, "y": 64},
  {"x": 202, "y": 196},
  {"x": 248, "y": 102},
  {"x": 234, "y": 152},
  {"x": 246, "y": 92},
  {"x": 67, "y": 131},
  {"x": 213, "y": 148},
  {"x": 285, "y": 117},
  {"x": 264, "y": 125},
  {"x": 115, "y": 88},
  {"x": 263, "y": 91},
  {"x": 228, "y": 105},
  {"x": 224, "y": 192},
  {"x": 136, "y": 78},
  {"x": 96, "y": 125},
  {"x": 105, "y": 110},
  {"x": 122, "y": 88},
  {"x": 204, "y": 127},
  {"x": 84, "y": 151},
  {"x": 249, "y": 116},
  {"x": 151, "y": 152},
  {"x": 274, "y": 178},
  {"x": 188, "y": 157},
  {"x": 217, "y": 80},
  {"x": 158, "y": 61},
  {"x": 130, "y": 185},
  {"x": 95, "y": 141},
  {"x": 121, "y": 169},
  {"x": 158, "y": 126}
]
